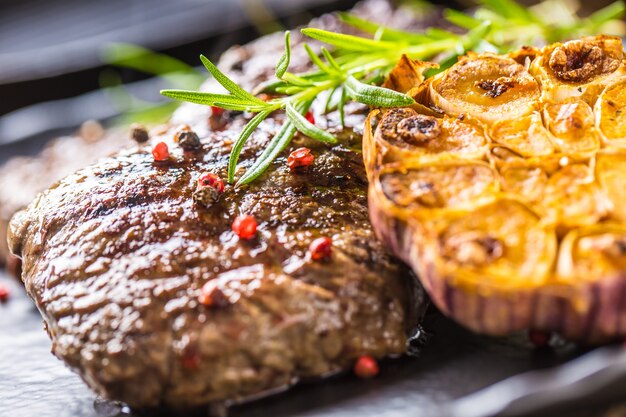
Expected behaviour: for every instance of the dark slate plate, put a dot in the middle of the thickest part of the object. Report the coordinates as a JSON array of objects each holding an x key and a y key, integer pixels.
[{"x": 453, "y": 364}]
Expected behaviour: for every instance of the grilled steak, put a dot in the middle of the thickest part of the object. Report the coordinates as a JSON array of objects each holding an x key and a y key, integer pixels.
[
  {"x": 22, "y": 178},
  {"x": 116, "y": 256}
]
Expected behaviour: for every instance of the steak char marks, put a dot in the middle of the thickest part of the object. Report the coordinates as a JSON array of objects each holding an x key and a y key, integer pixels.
[{"x": 115, "y": 257}]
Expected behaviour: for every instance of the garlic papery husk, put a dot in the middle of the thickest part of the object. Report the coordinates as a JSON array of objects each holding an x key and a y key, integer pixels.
[
  {"x": 484, "y": 268},
  {"x": 591, "y": 264}
]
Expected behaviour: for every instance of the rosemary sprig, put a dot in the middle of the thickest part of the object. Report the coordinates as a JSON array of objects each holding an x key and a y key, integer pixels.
[
  {"x": 300, "y": 92},
  {"x": 356, "y": 63}
]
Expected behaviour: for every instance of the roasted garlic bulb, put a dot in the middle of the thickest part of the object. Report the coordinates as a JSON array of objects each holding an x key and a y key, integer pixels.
[{"x": 504, "y": 187}]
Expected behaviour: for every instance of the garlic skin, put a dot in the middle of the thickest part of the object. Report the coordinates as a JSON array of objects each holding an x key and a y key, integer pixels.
[{"x": 503, "y": 189}]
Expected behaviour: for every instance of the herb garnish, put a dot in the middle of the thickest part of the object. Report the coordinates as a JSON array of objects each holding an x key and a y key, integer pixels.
[{"x": 356, "y": 63}]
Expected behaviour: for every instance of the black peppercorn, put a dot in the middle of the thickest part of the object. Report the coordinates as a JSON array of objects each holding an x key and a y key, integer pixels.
[
  {"x": 206, "y": 196},
  {"x": 188, "y": 140},
  {"x": 138, "y": 133}
]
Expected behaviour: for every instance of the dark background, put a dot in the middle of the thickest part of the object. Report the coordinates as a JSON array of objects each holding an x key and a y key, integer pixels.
[
  {"x": 50, "y": 53},
  {"x": 51, "y": 49}
]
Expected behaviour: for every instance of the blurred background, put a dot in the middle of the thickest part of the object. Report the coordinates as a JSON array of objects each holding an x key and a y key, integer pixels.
[
  {"x": 52, "y": 51},
  {"x": 62, "y": 61}
]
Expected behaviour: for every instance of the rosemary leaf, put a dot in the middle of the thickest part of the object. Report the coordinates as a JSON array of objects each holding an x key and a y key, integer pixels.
[
  {"x": 229, "y": 102},
  {"x": 612, "y": 11},
  {"x": 316, "y": 59},
  {"x": 510, "y": 9},
  {"x": 283, "y": 61},
  {"x": 279, "y": 142},
  {"x": 331, "y": 60},
  {"x": 290, "y": 90},
  {"x": 241, "y": 141},
  {"x": 144, "y": 60},
  {"x": 439, "y": 34},
  {"x": 358, "y": 23},
  {"x": 342, "y": 111},
  {"x": 460, "y": 19},
  {"x": 329, "y": 99},
  {"x": 348, "y": 42},
  {"x": 290, "y": 78},
  {"x": 376, "y": 96},
  {"x": 308, "y": 128},
  {"x": 269, "y": 86},
  {"x": 385, "y": 33},
  {"x": 475, "y": 36},
  {"x": 444, "y": 65},
  {"x": 227, "y": 83}
]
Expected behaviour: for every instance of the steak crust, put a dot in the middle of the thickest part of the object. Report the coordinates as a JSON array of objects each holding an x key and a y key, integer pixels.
[
  {"x": 115, "y": 257},
  {"x": 21, "y": 178}
]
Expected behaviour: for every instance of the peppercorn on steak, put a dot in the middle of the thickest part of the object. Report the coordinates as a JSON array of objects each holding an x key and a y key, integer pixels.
[
  {"x": 503, "y": 188},
  {"x": 162, "y": 285}
]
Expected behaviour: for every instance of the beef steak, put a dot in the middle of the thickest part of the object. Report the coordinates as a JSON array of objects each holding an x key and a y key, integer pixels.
[
  {"x": 21, "y": 178},
  {"x": 116, "y": 254},
  {"x": 115, "y": 257}
]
